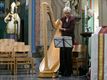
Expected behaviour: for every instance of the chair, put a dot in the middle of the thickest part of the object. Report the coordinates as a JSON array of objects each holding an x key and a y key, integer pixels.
[
  {"x": 79, "y": 56},
  {"x": 22, "y": 58},
  {"x": 20, "y": 50},
  {"x": 7, "y": 54}
]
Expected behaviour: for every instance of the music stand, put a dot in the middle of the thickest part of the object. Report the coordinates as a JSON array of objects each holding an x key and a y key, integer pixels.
[{"x": 63, "y": 41}]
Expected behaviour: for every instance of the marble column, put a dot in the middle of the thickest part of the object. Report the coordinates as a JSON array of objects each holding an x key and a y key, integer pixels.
[
  {"x": 103, "y": 14},
  {"x": 37, "y": 25},
  {"x": 30, "y": 23}
]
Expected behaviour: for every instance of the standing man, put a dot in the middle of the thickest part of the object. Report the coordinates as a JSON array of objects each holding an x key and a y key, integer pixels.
[{"x": 67, "y": 29}]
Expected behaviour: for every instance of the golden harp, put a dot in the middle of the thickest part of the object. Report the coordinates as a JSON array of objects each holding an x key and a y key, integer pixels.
[{"x": 50, "y": 63}]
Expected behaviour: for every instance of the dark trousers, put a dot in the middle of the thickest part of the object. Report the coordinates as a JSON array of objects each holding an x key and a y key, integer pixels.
[{"x": 65, "y": 61}]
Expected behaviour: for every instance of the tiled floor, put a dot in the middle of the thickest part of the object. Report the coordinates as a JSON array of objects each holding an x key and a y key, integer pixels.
[
  {"x": 29, "y": 77},
  {"x": 35, "y": 76}
]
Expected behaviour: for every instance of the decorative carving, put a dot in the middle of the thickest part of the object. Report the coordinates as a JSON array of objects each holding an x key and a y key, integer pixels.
[{"x": 74, "y": 4}]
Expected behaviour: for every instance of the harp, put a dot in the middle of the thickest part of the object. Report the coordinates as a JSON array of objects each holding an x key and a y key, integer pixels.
[{"x": 50, "y": 63}]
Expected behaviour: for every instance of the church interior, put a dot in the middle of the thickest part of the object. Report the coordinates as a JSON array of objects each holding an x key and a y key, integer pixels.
[{"x": 30, "y": 40}]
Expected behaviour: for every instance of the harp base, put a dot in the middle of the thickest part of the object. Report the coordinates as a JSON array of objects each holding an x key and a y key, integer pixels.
[{"x": 47, "y": 74}]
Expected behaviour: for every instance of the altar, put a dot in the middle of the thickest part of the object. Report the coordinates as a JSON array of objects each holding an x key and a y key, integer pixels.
[{"x": 98, "y": 57}]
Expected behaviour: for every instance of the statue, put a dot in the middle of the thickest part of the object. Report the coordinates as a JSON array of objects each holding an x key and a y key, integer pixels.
[
  {"x": 74, "y": 5},
  {"x": 13, "y": 22},
  {"x": 67, "y": 4}
]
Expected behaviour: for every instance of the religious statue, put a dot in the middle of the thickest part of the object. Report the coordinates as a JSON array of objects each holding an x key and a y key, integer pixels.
[
  {"x": 13, "y": 22},
  {"x": 74, "y": 5},
  {"x": 67, "y": 4}
]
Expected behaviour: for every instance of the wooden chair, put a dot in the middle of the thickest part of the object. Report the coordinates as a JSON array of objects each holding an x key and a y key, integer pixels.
[
  {"x": 79, "y": 57},
  {"x": 22, "y": 58},
  {"x": 7, "y": 54},
  {"x": 20, "y": 50}
]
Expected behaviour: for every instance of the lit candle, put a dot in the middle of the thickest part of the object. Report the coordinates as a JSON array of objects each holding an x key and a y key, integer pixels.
[{"x": 85, "y": 11}]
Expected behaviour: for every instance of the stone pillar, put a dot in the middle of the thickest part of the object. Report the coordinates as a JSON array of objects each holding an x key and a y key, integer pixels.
[
  {"x": 103, "y": 12},
  {"x": 96, "y": 14},
  {"x": 30, "y": 23},
  {"x": 103, "y": 15},
  {"x": 37, "y": 28}
]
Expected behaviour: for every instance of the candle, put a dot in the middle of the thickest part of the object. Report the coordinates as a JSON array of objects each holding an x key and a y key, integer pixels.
[{"x": 85, "y": 11}]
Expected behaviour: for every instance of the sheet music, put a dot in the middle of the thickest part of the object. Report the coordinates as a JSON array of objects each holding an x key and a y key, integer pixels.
[{"x": 63, "y": 41}]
